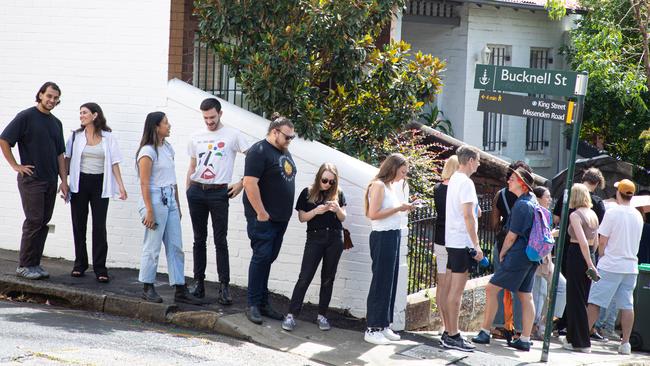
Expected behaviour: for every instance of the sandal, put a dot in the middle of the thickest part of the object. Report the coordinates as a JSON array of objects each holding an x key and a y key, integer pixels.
[
  {"x": 76, "y": 273},
  {"x": 103, "y": 278}
]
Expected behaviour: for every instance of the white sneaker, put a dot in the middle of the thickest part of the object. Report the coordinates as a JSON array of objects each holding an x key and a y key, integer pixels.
[
  {"x": 376, "y": 337},
  {"x": 625, "y": 348},
  {"x": 390, "y": 335},
  {"x": 566, "y": 345}
]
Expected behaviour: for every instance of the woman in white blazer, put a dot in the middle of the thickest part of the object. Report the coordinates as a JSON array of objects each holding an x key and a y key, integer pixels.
[{"x": 93, "y": 158}]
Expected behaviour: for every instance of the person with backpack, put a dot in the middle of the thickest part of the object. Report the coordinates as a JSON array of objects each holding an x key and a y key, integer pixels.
[
  {"x": 517, "y": 270},
  {"x": 583, "y": 230},
  {"x": 508, "y": 318}
]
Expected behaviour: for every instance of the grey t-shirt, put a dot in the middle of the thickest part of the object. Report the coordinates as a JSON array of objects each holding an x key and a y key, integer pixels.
[{"x": 163, "y": 173}]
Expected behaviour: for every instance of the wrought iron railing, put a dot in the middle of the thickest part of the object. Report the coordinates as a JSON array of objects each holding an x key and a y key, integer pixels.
[
  {"x": 215, "y": 77},
  {"x": 421, "y": 258}
]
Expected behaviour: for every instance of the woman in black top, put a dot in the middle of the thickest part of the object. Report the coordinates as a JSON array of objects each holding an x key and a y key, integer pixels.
[
  {"x": 440, "y": 204},
  {"x": 322, "y": 206}
]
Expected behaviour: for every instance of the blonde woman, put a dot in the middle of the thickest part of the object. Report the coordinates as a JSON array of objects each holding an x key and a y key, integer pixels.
[
  {"x": 582, "y": 230},
  {"x": 385, "y": 211},
  {"x": 440, "y": 201},
  {"x": 322, "y": 206}
]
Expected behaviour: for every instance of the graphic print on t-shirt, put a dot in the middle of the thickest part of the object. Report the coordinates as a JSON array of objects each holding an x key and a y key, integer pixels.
[
  {"x": 288, "y": 169},
  {"x": 206, "y": 160}
]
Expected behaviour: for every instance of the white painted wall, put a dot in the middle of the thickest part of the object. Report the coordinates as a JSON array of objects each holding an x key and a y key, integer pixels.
[
  {"x": 111, "y": 54},
  {"x": 461, "y": 47}
]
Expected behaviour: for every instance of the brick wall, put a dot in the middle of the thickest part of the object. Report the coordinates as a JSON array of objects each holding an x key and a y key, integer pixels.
[{"x": 182, "y": 31}]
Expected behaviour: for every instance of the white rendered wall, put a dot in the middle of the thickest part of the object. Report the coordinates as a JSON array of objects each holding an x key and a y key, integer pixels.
[
  {"x": 116, "y": 54},
  {"x": 461, "y": 47},
  {"x": 353, "y": 275}
]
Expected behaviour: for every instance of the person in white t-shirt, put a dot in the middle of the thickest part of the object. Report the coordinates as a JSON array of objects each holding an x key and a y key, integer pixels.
[
  {"x": 461, "y": 235},
  {"x": 212, "y": 154},
  {"x": 620, "y": 234}
]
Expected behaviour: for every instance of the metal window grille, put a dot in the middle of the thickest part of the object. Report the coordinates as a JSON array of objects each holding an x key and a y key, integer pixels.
[
  {"x": 535, "y": 127},
  {"x": 431, "y": 8},
  {"x": 493, "y": 122},
  {"x": 214, "y": 77}
]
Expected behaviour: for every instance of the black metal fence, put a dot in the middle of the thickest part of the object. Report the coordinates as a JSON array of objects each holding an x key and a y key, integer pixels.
[
  {"x": 421, "y": 259},
  {"x": 215, "y": 77}
]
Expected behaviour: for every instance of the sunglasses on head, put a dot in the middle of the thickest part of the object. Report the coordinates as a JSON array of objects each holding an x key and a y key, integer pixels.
[{"x": 328, "y": 181}]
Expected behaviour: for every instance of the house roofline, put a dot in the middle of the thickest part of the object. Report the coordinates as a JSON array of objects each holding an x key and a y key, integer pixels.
[{"x": 515, "y": 5}]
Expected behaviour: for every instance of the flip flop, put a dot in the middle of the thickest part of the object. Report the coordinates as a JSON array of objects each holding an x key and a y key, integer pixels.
[
  {"x": 76, "y": 273},
  {"x": 103, "y": 279}
]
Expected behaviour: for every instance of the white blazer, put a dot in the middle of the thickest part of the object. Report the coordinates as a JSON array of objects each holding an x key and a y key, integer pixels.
[{"x": 112, "y": 156}]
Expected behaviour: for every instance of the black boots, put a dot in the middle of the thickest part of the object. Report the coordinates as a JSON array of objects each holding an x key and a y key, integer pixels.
[
  {"x": 183, "y": 295},
  {"x": 224, "y": 294},
  {"x": 149, "y": 293},
  {"x": 253, "y": 314},
  {"x": 198, "y": 290}
]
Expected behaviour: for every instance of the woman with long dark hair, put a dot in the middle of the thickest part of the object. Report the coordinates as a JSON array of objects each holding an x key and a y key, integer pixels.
[
  {"x": 384, "y": 209},
  {"x": 160, "y": 210},
  {"x": 93, "y": 158},
  {"x": 322, "y": 206}
]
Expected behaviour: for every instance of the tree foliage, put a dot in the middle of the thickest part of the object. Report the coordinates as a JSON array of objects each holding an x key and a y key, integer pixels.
[
  {"x": 609, "y": 43},
  {"x": 316, "y": 62}
]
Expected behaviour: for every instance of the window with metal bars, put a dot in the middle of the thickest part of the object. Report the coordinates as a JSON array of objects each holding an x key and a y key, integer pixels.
[
  {"x": 213, "y": 76},
  {"x": 493, "y": 122},
  {"x": 536, "y": 139}
]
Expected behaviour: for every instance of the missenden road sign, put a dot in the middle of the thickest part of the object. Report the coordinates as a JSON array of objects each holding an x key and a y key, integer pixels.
[
  {"x": 523, "y": 106},
  {"x": 525, "y": 80}
]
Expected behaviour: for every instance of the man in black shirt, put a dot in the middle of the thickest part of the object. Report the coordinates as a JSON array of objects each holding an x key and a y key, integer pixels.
[
  {"x": 269, "y": 182},
  {"x": 40, "y": 144}
]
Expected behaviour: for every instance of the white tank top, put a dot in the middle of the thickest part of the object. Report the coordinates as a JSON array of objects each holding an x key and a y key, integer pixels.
[
  {"x": 92, "y": 159},
  {"x": 392, "y": 222}
]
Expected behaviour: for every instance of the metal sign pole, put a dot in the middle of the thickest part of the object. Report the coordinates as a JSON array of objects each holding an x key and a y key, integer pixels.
[{"x": 580, "y": 92}]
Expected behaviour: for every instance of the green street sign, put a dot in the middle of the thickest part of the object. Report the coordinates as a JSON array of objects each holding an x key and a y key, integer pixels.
[
  {"x": 525, "y": 80},
  {"x": 525, "y": 106}
]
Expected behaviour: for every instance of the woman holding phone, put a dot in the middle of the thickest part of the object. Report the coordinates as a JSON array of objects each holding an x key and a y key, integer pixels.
[
  {"x": 322, "y": 206},
  {"x": 385, "y": 210}
]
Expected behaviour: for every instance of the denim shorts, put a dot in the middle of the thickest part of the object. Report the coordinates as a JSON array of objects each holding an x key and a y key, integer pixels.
[
  {"x": 619, "y": 286},
  {"x": 516, "y": 272}
]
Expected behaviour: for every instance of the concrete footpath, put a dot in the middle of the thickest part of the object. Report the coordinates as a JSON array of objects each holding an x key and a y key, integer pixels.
[{"x": 343, "y": 345}]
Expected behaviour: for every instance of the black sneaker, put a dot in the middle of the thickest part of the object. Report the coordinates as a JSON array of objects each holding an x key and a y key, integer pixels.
[
  {"x": 597, "y": 337},
  {"x": 443, "y": 338},
  {"x": 458, "y": 343},
  {"x": 269, "y": 312}
]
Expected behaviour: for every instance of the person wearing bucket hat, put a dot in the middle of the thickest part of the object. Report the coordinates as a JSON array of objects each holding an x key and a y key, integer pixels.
[
  {"x": 620, "y": 234},
  {"x": 516, "y": 271}
]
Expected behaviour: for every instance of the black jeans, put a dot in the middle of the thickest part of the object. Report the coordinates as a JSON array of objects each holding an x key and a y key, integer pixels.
[
  {"x": 90, "y": 192},
  {"x": 325, "y": 245},
  {"x": 212, "y": 202},
  {"x": 38, "y": 198},
  {"x": 384, "y": 251},
  {"x": 577, "y": 292}
]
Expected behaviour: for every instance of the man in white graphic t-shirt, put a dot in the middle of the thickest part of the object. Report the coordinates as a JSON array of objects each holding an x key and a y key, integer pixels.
[
  {"x": 212, "y": 154},
  {"x": 620, "y": 234},
  {"x": 461, "y": 235}
]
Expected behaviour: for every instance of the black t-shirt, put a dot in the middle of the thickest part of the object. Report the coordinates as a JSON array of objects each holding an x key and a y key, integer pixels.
[
  {"x": 440, "y": 203},
  {"x": 511, "y": 198},
  {"x": 322, "y": 221},
  {"x": 40, "y": 141},
  {"x": 277, "y": 180}
]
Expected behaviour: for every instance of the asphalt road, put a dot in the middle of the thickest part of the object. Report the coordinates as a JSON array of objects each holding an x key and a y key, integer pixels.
[{"x": 33, "y": 334}]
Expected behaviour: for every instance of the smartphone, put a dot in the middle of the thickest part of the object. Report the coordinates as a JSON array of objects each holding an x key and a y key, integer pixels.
[{"x": 591, "y": 273}]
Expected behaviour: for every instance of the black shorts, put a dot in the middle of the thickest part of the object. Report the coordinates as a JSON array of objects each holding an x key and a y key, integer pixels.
[{"x": 459, "y": 260}]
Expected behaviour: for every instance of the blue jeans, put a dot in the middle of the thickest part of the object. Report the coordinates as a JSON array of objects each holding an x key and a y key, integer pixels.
[
  {"x": 266, "y": 241},
  {"x": 168, "y": 231},
  {"x": 516, "y": 304},
  {"x": 384, "y": 251},
  {"x": 540, "y": 293}
]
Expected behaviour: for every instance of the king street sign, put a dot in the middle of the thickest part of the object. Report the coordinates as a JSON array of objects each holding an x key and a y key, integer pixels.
[
  {"x": 523, "y": 106},
  {"x": 525, "y": 80}
]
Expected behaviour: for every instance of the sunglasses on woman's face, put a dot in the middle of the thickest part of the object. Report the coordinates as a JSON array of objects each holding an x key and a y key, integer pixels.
[{"x": 328, "y": 181}]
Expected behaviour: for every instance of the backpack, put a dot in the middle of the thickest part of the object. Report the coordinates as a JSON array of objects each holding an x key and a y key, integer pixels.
[{"x": 540, "y": 240}]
